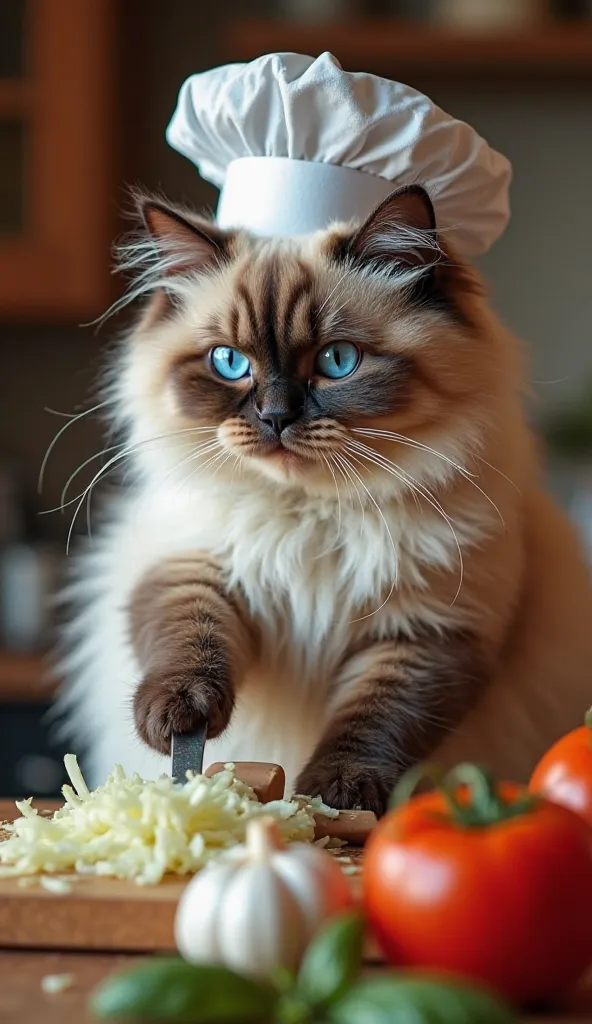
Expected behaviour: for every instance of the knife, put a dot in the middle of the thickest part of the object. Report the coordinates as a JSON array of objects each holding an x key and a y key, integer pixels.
[{"x": 187, "y": 752}]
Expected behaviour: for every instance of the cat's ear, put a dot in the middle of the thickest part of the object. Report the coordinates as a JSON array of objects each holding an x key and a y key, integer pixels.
[
  {"x": 400, "y": 233},
  {"x": 184, "y": 245}
]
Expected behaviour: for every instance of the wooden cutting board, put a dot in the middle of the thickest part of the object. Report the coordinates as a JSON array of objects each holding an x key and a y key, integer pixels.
[{"x": 98, "y": 914}]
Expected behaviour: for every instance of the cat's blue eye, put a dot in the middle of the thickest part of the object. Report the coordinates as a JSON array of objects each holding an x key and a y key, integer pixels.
[
  {"x": 338, "y": 360},
  {"x": 230, "y": 363}
]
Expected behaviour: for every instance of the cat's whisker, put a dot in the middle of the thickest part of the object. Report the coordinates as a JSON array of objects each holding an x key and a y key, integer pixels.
[
  {"x": 412, "y": 484},
  {"x": 87, "y": 493},
  {"x": 351, "y": 485},
  {"x": 336, "y": 319},
  {"x": 333, "y": 547},
  {"x": 220, "y": 457},
  {"x": 328, "y": 298},
  {"x": 104, "y": 471},
  {"x": 408, "y": 480},
  {"x": 197, "y": 472},
  {"x": 214, "y": 452},
  {"x": 63, "y": 503},
  {"x": 332, "y": 472},
  {"x": 69, "y": 423},
  {"x": 399, "y": 473},
  {"x": 197, "y": 453},
  {"x": 435, "y": 504},
  {"x": 414, "y": 443},
  {"x": 116, "y": 447},
  {"x": 465, "y": 473},
  {"x": 223, "y": 463},
  {"x": 411, "y": 442},
  {"x": 129, "y": 450},
  {"x": 390, "y": 536},
  {"x": 499, "y": 472},
  {"x": 396, "y": 470},
  {"x": 203, "y": 449},
  {"x": 238, "y": 461},
  {"x": 343, "y": 475},
  {"x": 62, "y": 415}
]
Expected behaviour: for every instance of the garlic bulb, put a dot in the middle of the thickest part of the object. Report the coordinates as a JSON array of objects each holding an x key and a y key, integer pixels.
[{"x": 258, "y": 908}]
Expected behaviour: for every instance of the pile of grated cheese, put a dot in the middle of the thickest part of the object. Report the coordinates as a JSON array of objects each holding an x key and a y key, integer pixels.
[{"x": 133, "y": 829}]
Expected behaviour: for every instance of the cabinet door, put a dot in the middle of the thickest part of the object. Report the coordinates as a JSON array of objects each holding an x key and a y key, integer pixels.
[{"x": 57, "y": 82}]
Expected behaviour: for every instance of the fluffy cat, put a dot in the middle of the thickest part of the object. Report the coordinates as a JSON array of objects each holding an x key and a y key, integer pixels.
[{"x": 334, "y": 545}]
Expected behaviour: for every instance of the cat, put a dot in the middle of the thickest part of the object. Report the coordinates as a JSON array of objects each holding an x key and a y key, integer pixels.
[{"x": 334, "y": 546}]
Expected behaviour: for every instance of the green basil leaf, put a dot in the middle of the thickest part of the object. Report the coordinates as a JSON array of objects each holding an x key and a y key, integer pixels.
[
  {"x": 418, "y": 999},
  {"x": 332, "y": 960},
  {"x": 172, "y": 990},
  {"x": 293, "y": 1010}
]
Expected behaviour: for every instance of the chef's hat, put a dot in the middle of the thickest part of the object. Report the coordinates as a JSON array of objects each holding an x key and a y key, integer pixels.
[{"x": 295, "y": 143}]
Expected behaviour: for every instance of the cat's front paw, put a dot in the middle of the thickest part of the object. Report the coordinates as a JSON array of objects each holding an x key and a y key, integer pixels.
[
  {"x": 167, "y": 704},
  {"x": 346, "y": 784}
]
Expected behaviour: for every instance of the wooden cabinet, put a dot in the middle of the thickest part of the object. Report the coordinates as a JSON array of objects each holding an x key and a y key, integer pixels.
[
  {"x": 57, "y": 136},
  {"x": 550, "y": 50}
]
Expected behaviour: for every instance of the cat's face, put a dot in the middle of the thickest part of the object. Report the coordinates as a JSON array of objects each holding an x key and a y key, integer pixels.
[{"x": 279, "y": 353}]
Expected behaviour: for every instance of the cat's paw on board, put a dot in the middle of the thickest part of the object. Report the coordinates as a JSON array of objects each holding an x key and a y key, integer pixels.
[{"x": 346, "y": 784}]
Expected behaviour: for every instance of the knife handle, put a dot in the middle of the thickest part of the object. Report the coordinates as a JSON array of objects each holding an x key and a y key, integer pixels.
[{"x": 267, "y": 780}]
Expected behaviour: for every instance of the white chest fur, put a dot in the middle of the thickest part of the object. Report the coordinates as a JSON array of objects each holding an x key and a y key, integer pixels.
[{"x": 306, "y": 568}]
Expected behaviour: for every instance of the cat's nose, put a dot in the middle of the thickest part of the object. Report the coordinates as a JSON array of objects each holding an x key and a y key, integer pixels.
[{"x": 278, "y": 421}]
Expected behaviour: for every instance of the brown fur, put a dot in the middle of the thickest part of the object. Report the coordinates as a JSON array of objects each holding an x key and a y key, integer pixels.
[
  {"x": 396, "y": 700},
  {"x": 429, "y": 656},
  {"x": 191, "y": 643}
]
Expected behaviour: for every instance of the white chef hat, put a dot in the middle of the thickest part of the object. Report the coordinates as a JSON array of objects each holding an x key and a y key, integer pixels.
[{"x": 295, "y": 143}]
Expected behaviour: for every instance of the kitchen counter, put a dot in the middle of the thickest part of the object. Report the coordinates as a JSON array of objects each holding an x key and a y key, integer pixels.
[{"x": 22, "y": 1000}]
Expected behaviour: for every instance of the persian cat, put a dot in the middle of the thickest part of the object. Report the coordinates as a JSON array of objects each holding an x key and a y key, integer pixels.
[{"x": 333, "y": 544}]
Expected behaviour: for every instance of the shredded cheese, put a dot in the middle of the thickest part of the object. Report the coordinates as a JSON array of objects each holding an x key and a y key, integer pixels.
[
  {"x": 54, "y": 983},
  {"x": 57, "y": 886},
  {"x": 142, "y": 830}
]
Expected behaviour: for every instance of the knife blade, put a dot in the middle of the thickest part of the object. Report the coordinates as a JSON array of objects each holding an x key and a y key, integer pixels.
[{"x": 187, "y": 752}]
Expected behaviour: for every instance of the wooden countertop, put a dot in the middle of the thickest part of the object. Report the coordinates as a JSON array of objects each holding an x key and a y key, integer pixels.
[{"x": 22, "y": 1000}]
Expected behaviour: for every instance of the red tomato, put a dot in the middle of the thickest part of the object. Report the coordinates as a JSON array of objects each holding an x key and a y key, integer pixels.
[
  {"x": 504, "y": 897},
  {"x": 564, "y": 773}
]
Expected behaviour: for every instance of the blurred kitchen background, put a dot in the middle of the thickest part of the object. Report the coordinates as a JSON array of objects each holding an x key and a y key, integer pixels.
[{"x": 86, "y": 90}]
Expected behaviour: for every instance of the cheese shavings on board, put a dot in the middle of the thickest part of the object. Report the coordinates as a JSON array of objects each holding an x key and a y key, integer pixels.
[{"x": 143, "y": 830}]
